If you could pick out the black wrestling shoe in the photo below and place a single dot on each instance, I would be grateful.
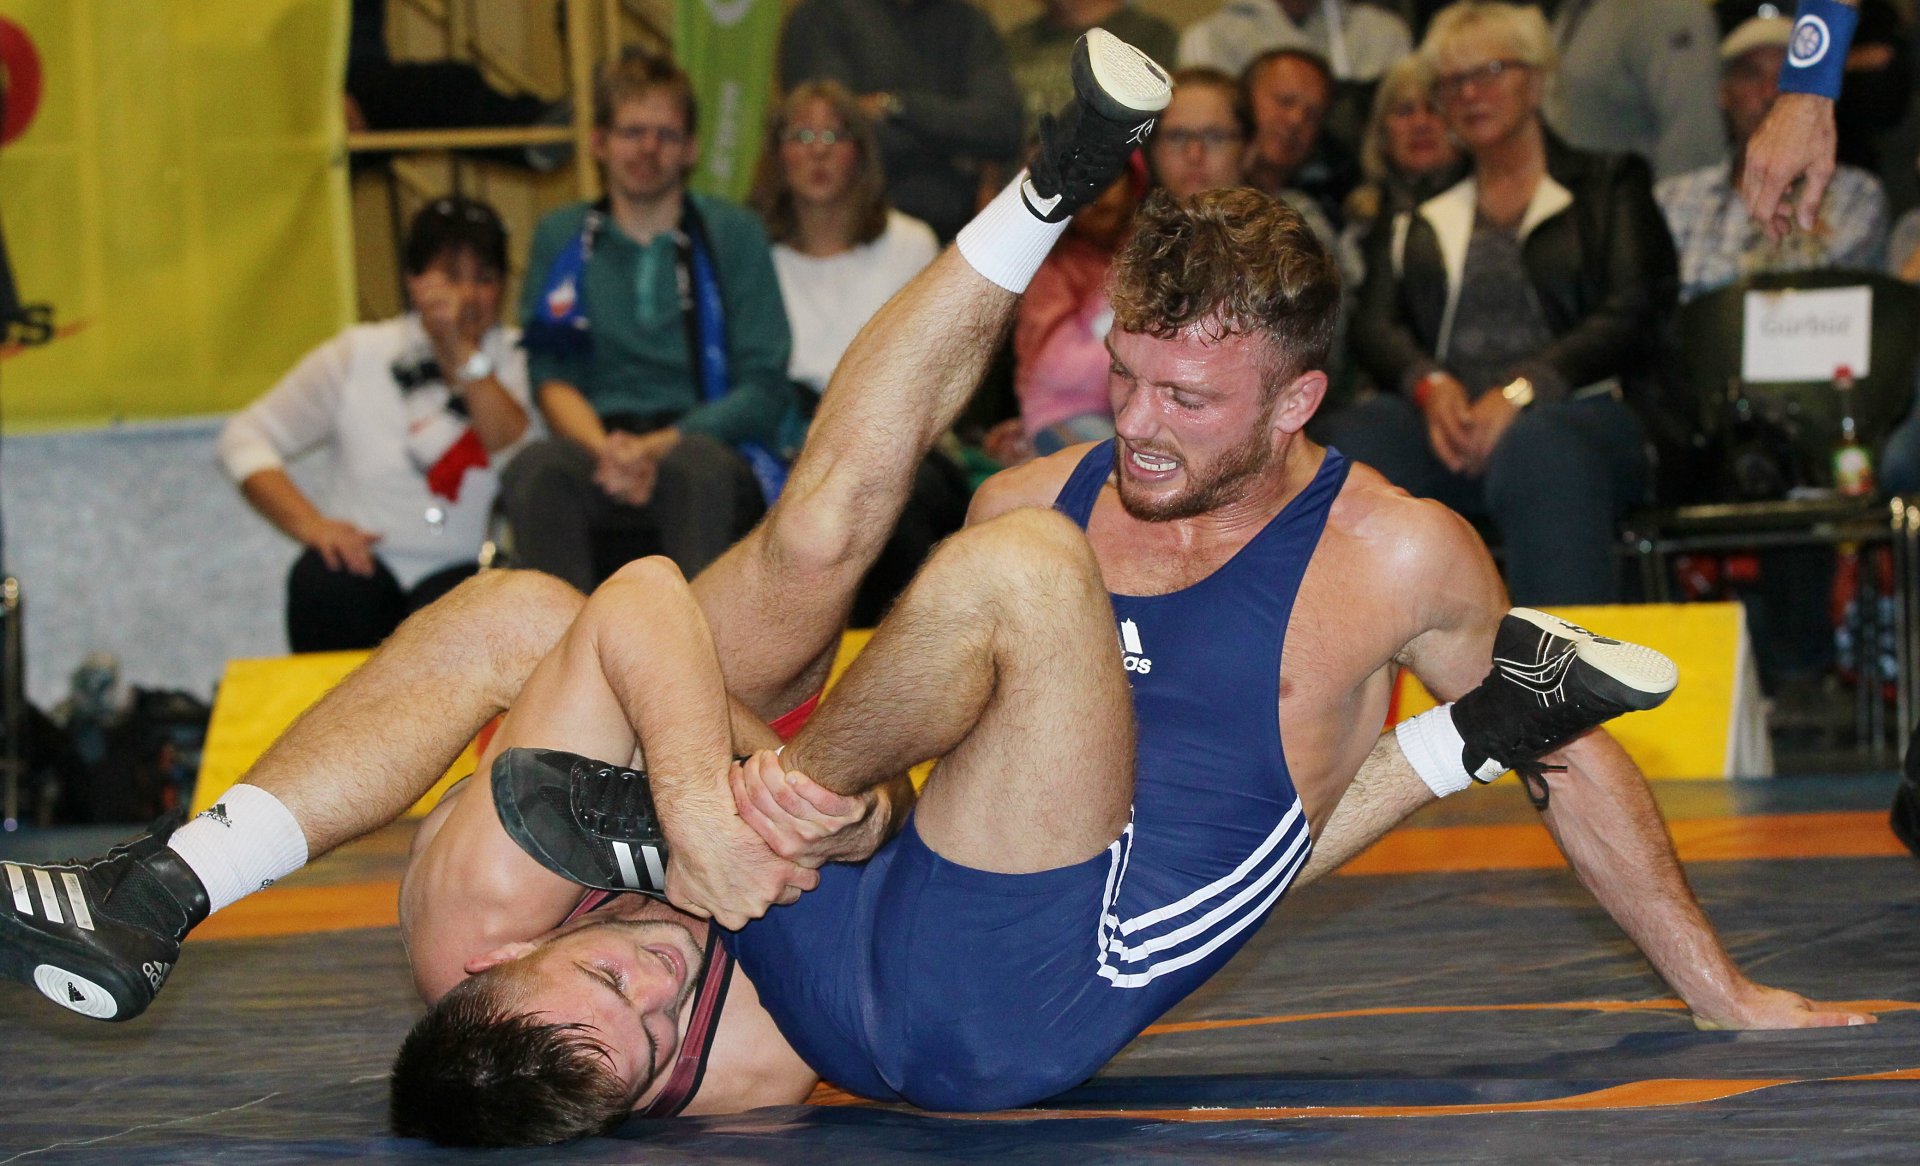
(1551, 681)
(582, 819)
(101, 937)
(1118, 90)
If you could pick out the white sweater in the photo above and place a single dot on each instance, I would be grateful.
(830, 299)
(343, 397)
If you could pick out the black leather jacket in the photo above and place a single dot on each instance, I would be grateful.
(1604, 269)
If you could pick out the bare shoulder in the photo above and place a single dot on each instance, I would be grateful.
(1433, 567)
(1418, 539)
(1036, 483)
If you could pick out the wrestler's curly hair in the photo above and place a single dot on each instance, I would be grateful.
(1229, 262)
(475, 1072)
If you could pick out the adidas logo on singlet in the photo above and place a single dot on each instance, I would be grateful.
(1133, 655)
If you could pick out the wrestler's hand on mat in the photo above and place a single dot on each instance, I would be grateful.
(1797, 140)
(1762, 1007)
(341, 545)
(800, 819)
(721, 869)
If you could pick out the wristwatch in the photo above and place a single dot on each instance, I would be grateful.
(478, 367)
(1519, 392)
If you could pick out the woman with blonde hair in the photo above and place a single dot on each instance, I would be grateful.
(1507, 316)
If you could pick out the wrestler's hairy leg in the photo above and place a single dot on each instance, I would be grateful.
(999, 661)
(369, 748)
(777, 601)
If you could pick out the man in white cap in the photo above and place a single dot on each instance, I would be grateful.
(1717, 240)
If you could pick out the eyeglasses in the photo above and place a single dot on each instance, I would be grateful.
(665, 135)
(1451, 85)
(806, 137)
(1211, 139)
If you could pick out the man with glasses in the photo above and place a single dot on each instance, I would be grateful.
(657, 348)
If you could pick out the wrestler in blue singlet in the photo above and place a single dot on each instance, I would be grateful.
(911, 977)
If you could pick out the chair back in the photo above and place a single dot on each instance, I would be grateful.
(1711, 335)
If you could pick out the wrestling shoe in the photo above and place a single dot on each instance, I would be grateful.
(1117, 91)
(582, 819)
(1551, 681)
(101, 937)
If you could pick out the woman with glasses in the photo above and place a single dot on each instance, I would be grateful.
(840, 252)
(1407, 155)
(1506, 318)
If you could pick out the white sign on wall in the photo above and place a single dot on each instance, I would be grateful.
(1805, 335)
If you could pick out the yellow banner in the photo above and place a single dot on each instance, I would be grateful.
(178, 194)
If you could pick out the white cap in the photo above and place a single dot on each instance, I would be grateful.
(1757, 32)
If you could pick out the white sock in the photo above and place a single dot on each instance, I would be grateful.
(243, 843)
(1433, 747)
(1005, 242)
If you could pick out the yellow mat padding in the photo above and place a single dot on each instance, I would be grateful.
(258, 699)
(1686, 737)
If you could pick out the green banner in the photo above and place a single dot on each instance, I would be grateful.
(728, 47)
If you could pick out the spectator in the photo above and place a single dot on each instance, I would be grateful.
(618, 298)
(1545, 263)
(1879, 72)
(1060, 333)
(1286, 92)
(415, 413)
(1637, 75)
(932, 74)
(841, 253)
(1406, 157)
(1717, 240)
(1202, 138)
(1358, 40)
(1041, 50)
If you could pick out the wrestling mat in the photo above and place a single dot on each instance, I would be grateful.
(1453, 997)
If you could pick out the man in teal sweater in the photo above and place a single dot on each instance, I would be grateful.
(657, 346)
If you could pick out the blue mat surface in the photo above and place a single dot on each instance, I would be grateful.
(1386, 999)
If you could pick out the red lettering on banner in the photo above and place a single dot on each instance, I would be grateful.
(21, 74)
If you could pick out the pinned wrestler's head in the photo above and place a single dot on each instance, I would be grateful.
(1223, 313)
(554, 1038)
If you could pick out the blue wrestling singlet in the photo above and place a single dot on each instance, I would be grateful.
(911, 977)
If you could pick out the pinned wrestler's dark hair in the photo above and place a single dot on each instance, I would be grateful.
(473, 1072)
(1225, 263)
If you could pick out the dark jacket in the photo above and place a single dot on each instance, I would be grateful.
(1602, 264)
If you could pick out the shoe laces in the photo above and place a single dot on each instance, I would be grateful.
(1054, 168)
(612, 801)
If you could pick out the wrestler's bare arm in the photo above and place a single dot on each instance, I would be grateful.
(1603, 818)
(1428, 562)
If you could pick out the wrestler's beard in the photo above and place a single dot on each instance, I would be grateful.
(1221, 481)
